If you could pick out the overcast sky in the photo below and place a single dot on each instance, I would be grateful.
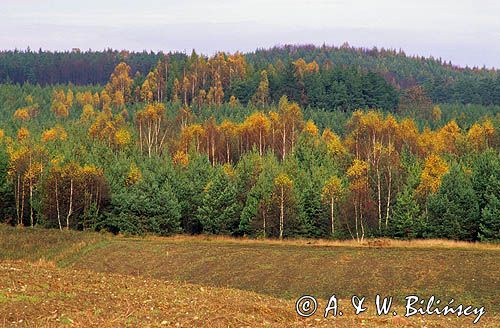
(463, 31)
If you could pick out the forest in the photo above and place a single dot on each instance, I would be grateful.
(288, 142)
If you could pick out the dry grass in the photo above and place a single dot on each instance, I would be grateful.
(373, 242)
(49, 245)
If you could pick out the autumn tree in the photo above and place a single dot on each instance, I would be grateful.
(152, 125)
(283, 189)
(261, 96)
(430, 180)
(228, 133)
(358, 186)
(119, 87)
(211, 137)
(191, 134)
(61, 103)
(71, 190)
(291, 122)
(258, 124)
(332, 192)
(26, 169)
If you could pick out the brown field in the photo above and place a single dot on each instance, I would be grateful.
(49, 278)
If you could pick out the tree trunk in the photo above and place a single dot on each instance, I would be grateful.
(260, 142)
(362, 228)
(264, 225)
(356, 219)
(284, 143)
(166, 78)
(388, 198)
(17, 194)
(273, 140)
(140, 135)
(57, 206)
(379, 196)
(70, 209)
(31, 203)
(213, 150)
(331, 213)
(22, 202)
(31, 191)
(282, 212)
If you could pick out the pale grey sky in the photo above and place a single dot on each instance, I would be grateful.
(463, 31)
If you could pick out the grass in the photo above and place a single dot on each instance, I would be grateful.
(376, 242)
(50, 245)
(87, 276)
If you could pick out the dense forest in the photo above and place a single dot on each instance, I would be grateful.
(286, 142)
(443, 82)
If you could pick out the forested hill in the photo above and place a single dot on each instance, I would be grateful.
(442, 81)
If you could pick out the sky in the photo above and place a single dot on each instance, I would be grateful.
(462, 31)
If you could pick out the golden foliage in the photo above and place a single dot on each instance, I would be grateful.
(180, 158)
(56, 133)
(85, 98)
(122, 137)
(283, 181)
(120, 85)
(88, 113)
(21, 114)
(332, 188)
(430, 142)
(134, 174)
(430, 180)
(257, 122)
(61, 103)
(358, 175)
(333, 142)
(23, 134)
(261, 96)
(229, 170)
(449, 135)
(310, 128)
(436, 113)
(233, 101)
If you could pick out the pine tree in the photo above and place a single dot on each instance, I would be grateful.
(406, 217)
(189, 184)
(489, 225)
(486, 183)
(150, 205)
(220, 211)
(6, 197)
(454, 209)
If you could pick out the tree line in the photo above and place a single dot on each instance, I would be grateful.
(338, 73)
